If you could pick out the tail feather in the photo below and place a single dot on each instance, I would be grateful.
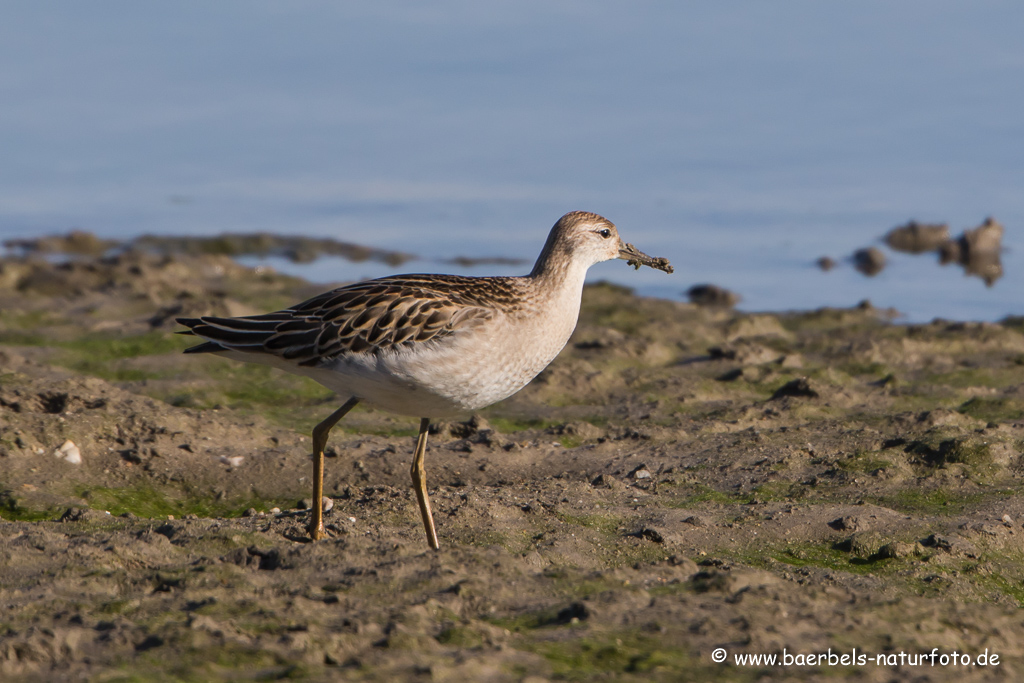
(225, 334)
(241, 324)
(206, 347)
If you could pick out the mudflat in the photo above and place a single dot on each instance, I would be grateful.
(679, 483)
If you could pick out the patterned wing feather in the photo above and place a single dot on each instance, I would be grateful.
(368, 317)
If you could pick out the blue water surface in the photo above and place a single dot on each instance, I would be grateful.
(740, 139)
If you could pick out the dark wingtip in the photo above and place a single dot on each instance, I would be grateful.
(207, 347)
(189, 323)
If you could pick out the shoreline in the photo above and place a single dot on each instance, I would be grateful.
(679, 479)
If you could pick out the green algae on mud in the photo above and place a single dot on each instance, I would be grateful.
(678, 479)
(12, 510)
(625, 655)
(1000, 409)
(941, 501)
(147, 501)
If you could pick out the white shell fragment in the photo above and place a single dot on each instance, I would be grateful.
(328, 504)
(233, 461)
(69, 451)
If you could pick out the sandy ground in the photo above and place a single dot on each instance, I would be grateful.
(680, 480)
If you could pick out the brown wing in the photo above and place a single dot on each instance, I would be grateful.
(367, 317)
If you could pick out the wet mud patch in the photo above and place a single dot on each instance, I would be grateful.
(681, 479)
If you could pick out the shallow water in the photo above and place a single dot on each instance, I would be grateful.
(740, 140)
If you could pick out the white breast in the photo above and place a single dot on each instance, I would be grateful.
(461, 372)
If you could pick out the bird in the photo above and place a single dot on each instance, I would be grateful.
(426, 345)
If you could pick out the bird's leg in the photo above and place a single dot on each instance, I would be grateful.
(320, 432)
(419, 483)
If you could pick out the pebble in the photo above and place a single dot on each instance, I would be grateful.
(869, 261)
(327, 503)
(917, 238)
(712, 296)
(69, 451)
(640, 472)
(826, 263)
(233, 461)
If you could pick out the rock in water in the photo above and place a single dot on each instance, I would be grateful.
(917, 238)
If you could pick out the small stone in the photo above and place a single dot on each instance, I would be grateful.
(797, 387)
(826, 263)
(651, 535)
(869, 261)
(275, 511)
(327, 503)
(863, 544)
(918, 238)
(640, 472)
(847, 523)
(606, 481)
(987, 237)
(897, 550)
(69, 452)
(954, 545)
(83, 515)
(250, 512)
(712, 296)
(1007, 520)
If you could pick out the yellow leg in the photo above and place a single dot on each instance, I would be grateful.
(320, 432)
(419, 484)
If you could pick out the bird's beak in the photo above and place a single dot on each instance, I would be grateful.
(636, 258)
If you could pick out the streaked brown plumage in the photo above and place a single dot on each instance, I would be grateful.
(435, 345)
(367, 317)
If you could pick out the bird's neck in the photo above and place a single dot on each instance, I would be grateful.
(558, 277)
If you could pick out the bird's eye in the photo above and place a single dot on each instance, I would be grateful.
(605, 233)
